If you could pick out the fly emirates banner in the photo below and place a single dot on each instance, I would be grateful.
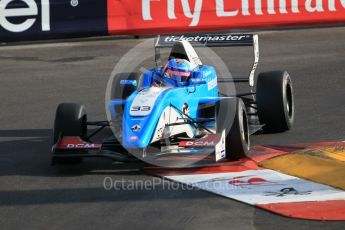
(167, 16)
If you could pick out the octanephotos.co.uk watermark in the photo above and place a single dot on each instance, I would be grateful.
(156, 183)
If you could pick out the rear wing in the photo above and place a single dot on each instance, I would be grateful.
(210, 40)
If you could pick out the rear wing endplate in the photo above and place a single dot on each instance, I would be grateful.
(211, 40)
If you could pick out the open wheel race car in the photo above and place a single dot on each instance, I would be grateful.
(178, 108)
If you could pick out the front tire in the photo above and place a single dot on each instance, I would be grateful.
(232, 116)
(275, 101)
(70, 120)
(123, 92)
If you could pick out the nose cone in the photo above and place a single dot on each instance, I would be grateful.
(136, 134)
(142, 112)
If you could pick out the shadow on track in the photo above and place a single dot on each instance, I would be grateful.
(27, 152)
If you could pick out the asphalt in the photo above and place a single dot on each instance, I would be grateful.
(34, 78)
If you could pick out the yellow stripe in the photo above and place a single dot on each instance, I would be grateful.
(337, 153)
(322, 165)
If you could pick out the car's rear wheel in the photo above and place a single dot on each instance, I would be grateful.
(232, 116)
(275, 101)
(70, 120)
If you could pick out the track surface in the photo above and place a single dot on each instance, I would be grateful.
(35, 78)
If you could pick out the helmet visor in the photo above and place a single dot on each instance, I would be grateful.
(177, 75)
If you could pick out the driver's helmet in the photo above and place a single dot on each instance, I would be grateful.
(179, 70)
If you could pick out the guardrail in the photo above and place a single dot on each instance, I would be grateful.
(44, 19)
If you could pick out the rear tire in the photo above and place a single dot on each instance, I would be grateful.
(275, 101)
(232, 116)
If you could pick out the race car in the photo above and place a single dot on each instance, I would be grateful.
(178, 108)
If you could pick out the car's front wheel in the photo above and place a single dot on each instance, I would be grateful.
(119, 91)
(232, 117)
(70, 120)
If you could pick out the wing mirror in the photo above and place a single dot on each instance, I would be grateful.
(129, 83)
(197, 79)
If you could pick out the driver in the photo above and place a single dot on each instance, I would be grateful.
(176, 72)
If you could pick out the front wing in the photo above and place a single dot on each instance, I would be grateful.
(75, 147)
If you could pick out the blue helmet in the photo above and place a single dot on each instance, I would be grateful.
(179, 70)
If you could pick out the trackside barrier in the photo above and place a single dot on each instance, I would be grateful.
(167, 16)
(44, 19)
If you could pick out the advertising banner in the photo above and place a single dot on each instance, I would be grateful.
(172, 16)
(42, 19)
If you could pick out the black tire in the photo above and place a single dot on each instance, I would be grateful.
(275, 101)
(122, 92)
(70, 120)
(232, 116)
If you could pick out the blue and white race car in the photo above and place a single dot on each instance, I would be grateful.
(177, 108)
